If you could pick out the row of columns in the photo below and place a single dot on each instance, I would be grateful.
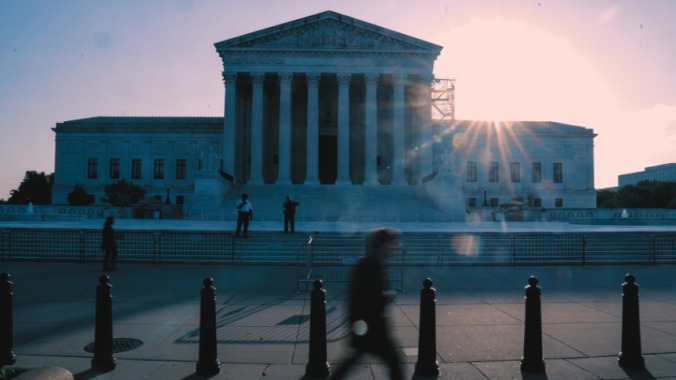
(343, 130)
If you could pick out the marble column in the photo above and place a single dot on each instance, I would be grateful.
(426, 132)
(228, 155)
(343, 159)
(284, 152)
(312, 174)
(257, 141)
(398, 132)
(371, 131)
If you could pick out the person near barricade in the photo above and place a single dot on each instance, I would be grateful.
(290, 215)
(109, 245)
(244, 215)
(367, 305)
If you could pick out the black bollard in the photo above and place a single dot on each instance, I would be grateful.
(7, 355)
(103, 359)
(208, 363)
(427, 364)
(318, 365)
(532, 360)
(630, 357)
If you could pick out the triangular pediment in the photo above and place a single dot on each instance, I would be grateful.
(328, 31)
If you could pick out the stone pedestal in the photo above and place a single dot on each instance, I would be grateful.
(210, 184)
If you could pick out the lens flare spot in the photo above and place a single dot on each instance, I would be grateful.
(564, 274)
(360, 328)
(466, 245)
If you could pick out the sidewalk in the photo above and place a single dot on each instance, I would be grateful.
(263, 325)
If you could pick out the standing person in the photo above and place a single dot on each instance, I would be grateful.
(368, 299)
(109, 245)
(290, 214)
(244, 214)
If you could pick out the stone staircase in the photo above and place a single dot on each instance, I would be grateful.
(329, 203)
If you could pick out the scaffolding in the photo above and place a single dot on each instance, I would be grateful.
(443, 99)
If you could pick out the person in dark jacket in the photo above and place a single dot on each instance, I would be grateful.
(109, 245)
(368, 300)
(290, 214)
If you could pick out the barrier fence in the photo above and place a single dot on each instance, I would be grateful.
(335, 250)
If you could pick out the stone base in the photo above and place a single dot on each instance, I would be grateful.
(210, 184)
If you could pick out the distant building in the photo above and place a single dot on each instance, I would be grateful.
(330, 100)
(661, 173)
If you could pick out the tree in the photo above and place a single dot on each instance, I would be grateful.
(35, 187)
(645, 194)
(123, 194)
(605, 198)
(79, 196)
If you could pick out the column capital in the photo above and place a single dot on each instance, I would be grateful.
(371, 78)
(229, 77)
(399, 79)
(257, 78)
(285, 77)
(344, 78)
(313, 78)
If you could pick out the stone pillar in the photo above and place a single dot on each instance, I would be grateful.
(343, 159)
(371, 131)
(398, 132)
(312, 175)
(256, 176)
(284, 153)
(230, 80)
(426, 136)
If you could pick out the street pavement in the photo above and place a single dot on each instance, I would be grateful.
(263, 321)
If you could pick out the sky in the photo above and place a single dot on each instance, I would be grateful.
(608, 65)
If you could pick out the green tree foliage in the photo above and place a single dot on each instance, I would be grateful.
(79, 196)
(645, 194)
(123, 194)
(35, 187)
(605, 199)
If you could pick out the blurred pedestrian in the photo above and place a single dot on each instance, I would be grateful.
(368, 300)
(109, 245)
(244, 214)
(290, 214)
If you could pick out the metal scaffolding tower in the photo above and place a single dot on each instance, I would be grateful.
(443, 99)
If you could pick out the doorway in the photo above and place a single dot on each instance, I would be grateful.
(328, 153)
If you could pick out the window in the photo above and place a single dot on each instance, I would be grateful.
(158, 169)
(515, 172)
(537, 202)
(558, 172)
(537, 172)
(92, 168)
(558, 202)
(136, 168)
(493, 172)
(181, 165)
(471, 171)
(494, 202)
(180, 199)
(114, 171)
(471, 202)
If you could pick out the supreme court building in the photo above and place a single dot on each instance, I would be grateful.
(328, 100)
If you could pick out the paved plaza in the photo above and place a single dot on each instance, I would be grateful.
(263, 322)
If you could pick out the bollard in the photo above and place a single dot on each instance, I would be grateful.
(208, 363)
(103, 359)
(630, 357)
(7, 355)
(318, 365)
(532, 360)
(427, 364)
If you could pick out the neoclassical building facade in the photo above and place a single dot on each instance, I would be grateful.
(327, 100)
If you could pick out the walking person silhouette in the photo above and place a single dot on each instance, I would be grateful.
(368, 300)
